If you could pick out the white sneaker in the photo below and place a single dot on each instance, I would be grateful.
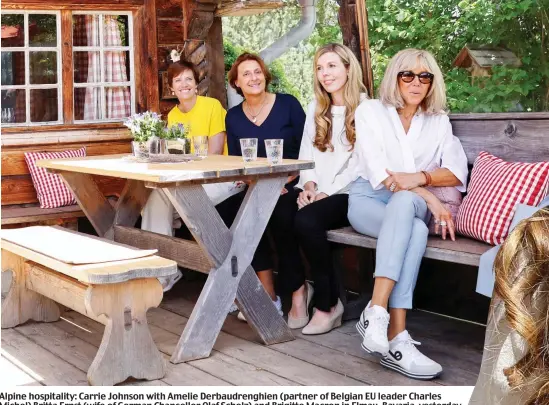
(168, 282)
(404, 358)
(277, 303)
(372, 326)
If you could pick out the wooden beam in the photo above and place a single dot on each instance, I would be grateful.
(365, 58)
(150, 65)
(186, 253)
(354, 28)
(67, 67)
(216, 85)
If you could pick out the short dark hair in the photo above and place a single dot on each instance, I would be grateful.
(176, 68)
(233, 73)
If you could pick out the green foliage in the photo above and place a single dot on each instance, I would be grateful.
(444, 27)
(280, 82)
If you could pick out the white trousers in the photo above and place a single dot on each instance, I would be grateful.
(158, 215)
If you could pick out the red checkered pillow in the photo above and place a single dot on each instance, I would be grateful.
(50, 188)
(495, 189)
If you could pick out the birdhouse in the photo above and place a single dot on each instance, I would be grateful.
(479, 60)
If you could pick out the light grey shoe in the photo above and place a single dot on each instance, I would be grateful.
(277, 304)
(332, 323)
(168, 282)
(300, 322)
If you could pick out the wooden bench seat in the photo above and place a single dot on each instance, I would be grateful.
(16, 214)
(116, 293)
(463, 250)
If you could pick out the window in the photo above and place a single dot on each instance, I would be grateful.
(31, 68)
(102, 88)
(103, 78)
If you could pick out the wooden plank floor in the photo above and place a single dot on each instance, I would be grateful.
(60, 353)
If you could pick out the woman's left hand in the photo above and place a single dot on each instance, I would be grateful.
(405, 181)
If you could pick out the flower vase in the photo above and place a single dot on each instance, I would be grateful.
(144, 149)
(176, 146)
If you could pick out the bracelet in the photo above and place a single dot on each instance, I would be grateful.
(428, 178)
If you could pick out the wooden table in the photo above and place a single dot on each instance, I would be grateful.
(226, 252)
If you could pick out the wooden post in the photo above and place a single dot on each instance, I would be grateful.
(354, 27)
(216, 61)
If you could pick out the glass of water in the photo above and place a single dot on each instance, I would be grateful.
(274, 150)
(248, 146)
(200, 144)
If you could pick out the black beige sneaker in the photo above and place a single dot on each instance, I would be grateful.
(372, 326)
(404, 358)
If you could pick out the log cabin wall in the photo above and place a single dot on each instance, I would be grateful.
(190, 27)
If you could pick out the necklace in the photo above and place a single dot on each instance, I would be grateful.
(251, 112)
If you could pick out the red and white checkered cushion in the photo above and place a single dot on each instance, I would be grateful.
(495, 189)
(50, 188)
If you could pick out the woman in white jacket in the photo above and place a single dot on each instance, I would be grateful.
(328, 140)
(404, 142)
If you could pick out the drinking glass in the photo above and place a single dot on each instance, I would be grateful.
(248, 146)
(200, 144)
(274, 150)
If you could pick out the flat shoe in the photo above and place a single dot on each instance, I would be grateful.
(300, 322)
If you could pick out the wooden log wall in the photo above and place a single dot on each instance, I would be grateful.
(190, 27)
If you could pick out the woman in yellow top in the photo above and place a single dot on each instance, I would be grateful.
(205, 115)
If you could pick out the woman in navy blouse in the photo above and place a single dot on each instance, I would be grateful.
(264, 115)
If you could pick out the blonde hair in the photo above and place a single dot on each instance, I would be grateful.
(522, 282)
(352, 90)
(410, 59)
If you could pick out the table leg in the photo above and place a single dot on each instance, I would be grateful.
(232, 252)
(97, 208)
(92, 201)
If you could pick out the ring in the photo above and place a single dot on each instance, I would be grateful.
(392, 187)
(443, 223)
(437, 221)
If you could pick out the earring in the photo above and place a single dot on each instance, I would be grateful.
(173, 93)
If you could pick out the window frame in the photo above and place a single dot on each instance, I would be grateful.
(65, 68)
(26, 49)
(102, 49)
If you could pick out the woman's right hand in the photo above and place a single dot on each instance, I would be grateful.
(443, 218)
(306, 197)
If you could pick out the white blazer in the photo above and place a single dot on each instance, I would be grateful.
(381, 144)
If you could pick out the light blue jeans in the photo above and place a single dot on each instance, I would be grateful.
(399, 222)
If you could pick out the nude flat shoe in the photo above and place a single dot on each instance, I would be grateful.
(300, 322)
(333, 322)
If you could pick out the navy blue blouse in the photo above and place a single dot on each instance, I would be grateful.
(285, 121)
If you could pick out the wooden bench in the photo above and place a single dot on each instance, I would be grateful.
(520, 137)
(53, 265)
(19, 201)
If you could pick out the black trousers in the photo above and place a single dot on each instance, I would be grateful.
(311, 224)
(281, 227)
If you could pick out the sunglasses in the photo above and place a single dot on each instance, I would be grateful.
(408, 77)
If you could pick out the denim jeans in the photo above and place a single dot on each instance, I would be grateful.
(399, 222)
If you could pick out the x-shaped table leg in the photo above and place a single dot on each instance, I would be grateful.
(231, 251)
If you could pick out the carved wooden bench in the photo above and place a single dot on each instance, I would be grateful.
(516, 137)
(53, 265)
